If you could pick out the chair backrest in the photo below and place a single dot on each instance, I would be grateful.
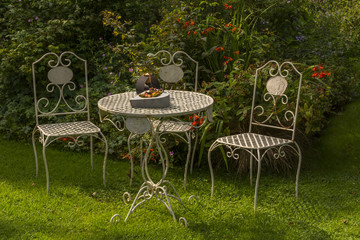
(276, 104)
(173, 68)
(58, 90)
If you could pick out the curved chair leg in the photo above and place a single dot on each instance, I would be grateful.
(105, 157)
(91, 153)
(45, 164)
(257, 179)
(298, 171)
(131, 159)
(35, 152)
(194, 149)
(187, 158)
(251, 168)
(212, 147)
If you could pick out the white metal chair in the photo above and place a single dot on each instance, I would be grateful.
(64, 96)
(171, 72)
(271, 108)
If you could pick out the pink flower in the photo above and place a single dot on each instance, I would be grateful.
(130, 69)
(111, 73)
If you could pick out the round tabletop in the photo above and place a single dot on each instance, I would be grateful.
(181, 103)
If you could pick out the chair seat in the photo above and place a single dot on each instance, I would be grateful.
(172, 126)
(252, 141)
(68, 128)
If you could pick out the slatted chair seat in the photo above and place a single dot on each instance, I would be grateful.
(172, 126)
(68, 128)
(252, 141)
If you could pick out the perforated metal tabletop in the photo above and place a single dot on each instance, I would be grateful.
(181, 103)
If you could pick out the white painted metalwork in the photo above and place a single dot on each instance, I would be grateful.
(172, 72)
(181, 103)
(53, 104)
(258, 145)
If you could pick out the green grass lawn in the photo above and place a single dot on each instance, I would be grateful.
(328, 206)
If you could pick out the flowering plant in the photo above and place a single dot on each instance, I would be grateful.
(197, 121)
(319, 72)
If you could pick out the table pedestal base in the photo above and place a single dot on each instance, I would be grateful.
(149, 190)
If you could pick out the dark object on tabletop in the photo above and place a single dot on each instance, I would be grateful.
(145, 82)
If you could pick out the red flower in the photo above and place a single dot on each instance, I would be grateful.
(315, 74)
(237, 52)
(321, 67)
(322, 74)
(314, 69)
(219, 49)
(227, 6)
(327, 73)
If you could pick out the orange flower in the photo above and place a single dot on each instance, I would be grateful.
(227, 6)
(237, 52)
(315, 74)
(327, 73)
(314, 69)
(228, 25)
(219, 49)
(322, 74)
(321, 67)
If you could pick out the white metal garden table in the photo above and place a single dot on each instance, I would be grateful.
(149, 120)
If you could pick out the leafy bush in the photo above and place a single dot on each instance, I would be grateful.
(229, 39)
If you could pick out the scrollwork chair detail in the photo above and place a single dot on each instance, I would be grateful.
(171, 72)
(280, 116)
(64, 96)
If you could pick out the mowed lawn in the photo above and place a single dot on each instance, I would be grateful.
(78, 206)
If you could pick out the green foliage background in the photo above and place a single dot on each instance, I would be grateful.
(115, 37)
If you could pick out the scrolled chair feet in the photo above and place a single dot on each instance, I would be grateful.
(126, 197)
(193, 202)
(115, 216)
(182, 220)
